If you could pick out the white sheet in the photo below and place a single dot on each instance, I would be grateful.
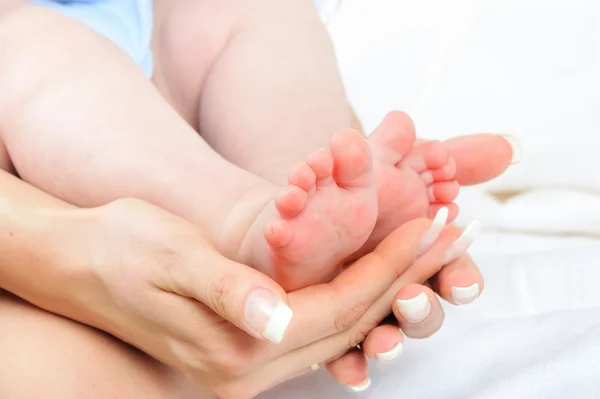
(531, 68)
(528, 67)
(535, 333)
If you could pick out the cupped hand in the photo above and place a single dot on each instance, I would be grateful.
(154, 281)
(478, 158)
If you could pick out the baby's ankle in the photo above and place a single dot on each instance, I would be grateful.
(243, 218)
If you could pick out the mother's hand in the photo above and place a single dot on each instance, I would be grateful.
(416, 311)
(479, 158)
(152, 280)
(393, 254)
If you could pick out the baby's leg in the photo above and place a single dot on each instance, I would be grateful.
(270, 92)
(274, 92)
(89, 127)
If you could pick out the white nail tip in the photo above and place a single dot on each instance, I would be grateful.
(267, 315)
(278, 323)
(517, 151)
(392, 355)
(472, 231)
(362, 387)
(441, 217)
(415, 310)
(432, 234)
(465, 295)
(463, 243)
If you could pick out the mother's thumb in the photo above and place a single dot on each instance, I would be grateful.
(241, 295)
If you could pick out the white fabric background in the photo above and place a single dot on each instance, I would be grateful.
(526, 67)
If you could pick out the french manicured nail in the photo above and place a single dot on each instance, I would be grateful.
(268, 315)
(416, 309)
(363, 386)
(465, 295)
(515, 144)
(463, 243)
(432, 234)
(392, 355)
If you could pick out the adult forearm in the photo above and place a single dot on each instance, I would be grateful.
(33, 237)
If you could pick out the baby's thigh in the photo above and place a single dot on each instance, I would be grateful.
(194, 37)
(188, 40)
(44, 355)
(63, 88)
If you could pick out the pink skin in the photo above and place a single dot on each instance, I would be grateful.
(341, 204)
(412, 181)
(326, 213)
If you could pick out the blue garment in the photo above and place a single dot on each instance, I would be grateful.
(128, 23)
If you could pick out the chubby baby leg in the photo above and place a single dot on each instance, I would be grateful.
(89, 127)
(258, 79)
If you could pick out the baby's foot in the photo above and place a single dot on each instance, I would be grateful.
(326, 213)
(412, 181)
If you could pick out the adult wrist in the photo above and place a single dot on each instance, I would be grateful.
(40, 260)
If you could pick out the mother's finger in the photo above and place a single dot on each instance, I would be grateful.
(239, 294)
(418, 311)
(448, 246)
(312, 339)
(420, 271)
(327, 309)
(351, 370)
(460, 282)
(482, 157)
(385, 343)
(419, 314)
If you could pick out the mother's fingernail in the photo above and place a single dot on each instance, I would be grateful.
(515, 145)
(363, 386)
(465, 295)
(432, 234)
(415, 310)
(463, 243)
(267, 314)
(391, 355)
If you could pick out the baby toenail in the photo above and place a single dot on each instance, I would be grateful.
(431, 194)
(460, 246)
(465, 295)
(515, 145)
(427, 177)
(415, 310)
